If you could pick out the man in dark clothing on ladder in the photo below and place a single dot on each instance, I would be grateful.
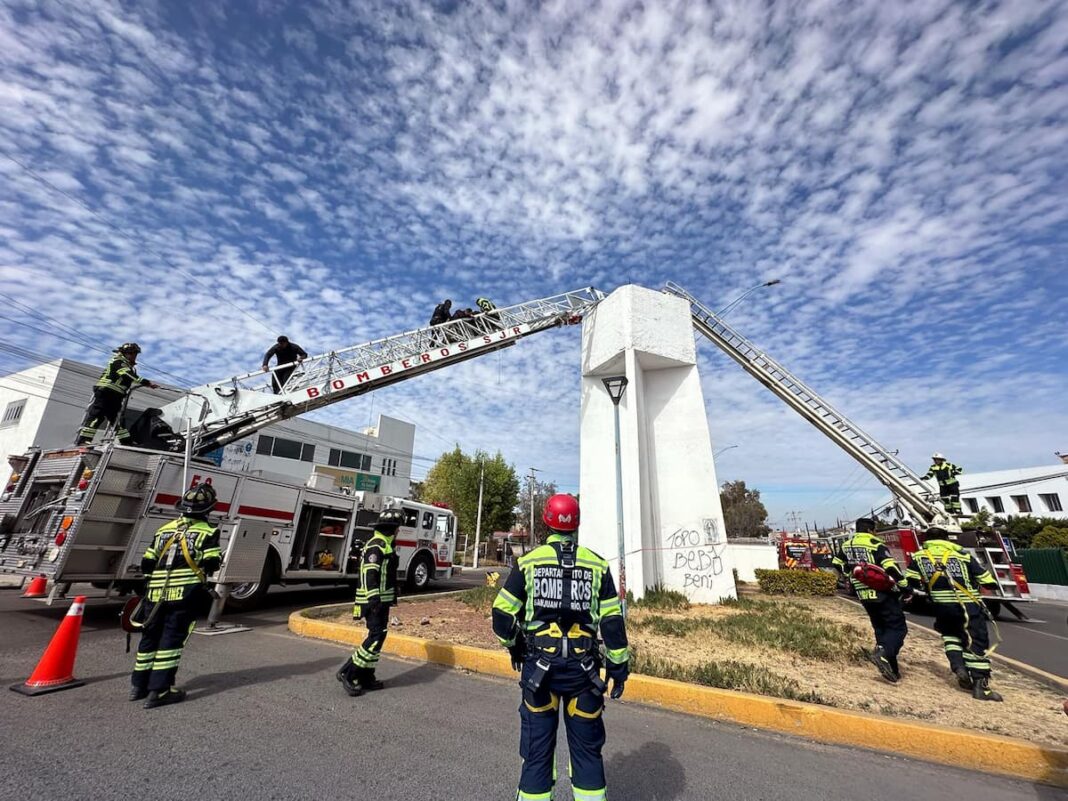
(442, 314)
(287, 353)
(110, 393)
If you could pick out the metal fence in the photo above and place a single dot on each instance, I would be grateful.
(1045, 565)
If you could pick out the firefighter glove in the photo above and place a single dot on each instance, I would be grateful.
(618, 674)
(517, 651)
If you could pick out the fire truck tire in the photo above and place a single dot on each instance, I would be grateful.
(248, 596)
(994, 607)
(420, 572)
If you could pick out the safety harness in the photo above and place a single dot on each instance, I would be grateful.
(577, 643)
(972, 596)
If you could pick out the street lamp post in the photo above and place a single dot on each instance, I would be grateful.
(721, 450)
(722, 312)
(616, 386)
(478, 518)
(533, 482)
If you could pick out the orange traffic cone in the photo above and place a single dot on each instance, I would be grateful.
(38, 588)
(55, 671)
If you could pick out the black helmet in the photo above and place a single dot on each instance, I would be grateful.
(390, 519)
(198, 501)
(129, 347)
(865, 525)
(935, 533)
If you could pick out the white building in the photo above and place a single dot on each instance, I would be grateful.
(1037, 491)
(43, 405)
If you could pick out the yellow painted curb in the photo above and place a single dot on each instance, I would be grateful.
(962, 748)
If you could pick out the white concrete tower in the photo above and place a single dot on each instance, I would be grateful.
(673, 522)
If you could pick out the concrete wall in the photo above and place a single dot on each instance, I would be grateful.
(747, 557)
(1048, 592)
(673, 523)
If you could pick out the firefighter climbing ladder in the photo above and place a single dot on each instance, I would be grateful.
(905, 485)
(218, 413)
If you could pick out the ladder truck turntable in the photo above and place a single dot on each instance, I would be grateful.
(87, 513)
(917, 500)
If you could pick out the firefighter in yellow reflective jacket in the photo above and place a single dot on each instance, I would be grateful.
(547, 615)
(945, 473)
(376, 595)
(109, 394)
(182, 554)
(881, 598)
(951, 578)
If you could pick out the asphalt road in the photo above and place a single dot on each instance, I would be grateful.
(265, 719)
(1042, 643)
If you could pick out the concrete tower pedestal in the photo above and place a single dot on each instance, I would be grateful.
(673, 522)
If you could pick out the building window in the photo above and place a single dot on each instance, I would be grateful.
(285, 448)
(13, 413)
(1023, 503)
(389, 467)
(972, 504)
(996, 504)
(1052, 502)
(351, 459)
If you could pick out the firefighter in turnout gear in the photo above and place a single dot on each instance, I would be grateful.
(951, 578)
(945, 473)
(880, 590)
(182, 554)
(547, 616)
(110, 392)
(377, 594)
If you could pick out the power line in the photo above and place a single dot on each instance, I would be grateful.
(142, 244)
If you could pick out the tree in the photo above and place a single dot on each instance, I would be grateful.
(980, 521)
(453, 480)
(1051, 537)
(1022, 529)
(743, 512)
(542, 491)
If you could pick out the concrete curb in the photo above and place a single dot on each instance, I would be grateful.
(961, 748)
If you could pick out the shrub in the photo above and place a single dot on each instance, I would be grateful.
(666, 600)
(728, 675)
(796, 582)
(1051, 537)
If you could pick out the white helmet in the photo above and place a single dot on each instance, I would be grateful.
(937, 455)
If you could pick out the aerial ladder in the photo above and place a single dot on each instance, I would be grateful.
(213, 415)
(911, 494)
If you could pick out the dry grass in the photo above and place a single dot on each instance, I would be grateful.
(802, 649)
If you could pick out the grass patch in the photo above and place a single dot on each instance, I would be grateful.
(785, 627)
(728, 675)
(664, 600)
(479, 598)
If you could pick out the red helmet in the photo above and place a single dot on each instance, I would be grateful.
(561, 513)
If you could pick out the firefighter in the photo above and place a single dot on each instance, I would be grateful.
(547, 616)
(945, 473)
(442, 314)
(882, 598)
(376, 595)
(951, 578)
(182, 554)
(487, 308)
(110, 392)
(285, 353)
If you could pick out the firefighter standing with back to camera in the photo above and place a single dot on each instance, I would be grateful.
(182, 554)
(376, 595)
(951, 578)
(881, 591)
(547, 615)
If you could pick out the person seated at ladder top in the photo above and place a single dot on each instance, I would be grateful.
(287, 353)
(487, 308)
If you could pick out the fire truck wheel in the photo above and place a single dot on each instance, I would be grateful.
(420, 572)
(995, 609)
(250, 594)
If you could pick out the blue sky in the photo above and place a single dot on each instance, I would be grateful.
(330, 170)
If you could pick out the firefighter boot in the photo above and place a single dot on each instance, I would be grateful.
(169, 696)
(368, 680)
(878, 658)
(138, 693)
(964, 679)
(982, 692)
(346, 674)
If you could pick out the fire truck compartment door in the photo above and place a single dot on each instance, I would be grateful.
(244, 544)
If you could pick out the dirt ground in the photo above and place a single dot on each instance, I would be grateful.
(927, 692)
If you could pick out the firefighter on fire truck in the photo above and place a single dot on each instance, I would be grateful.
(109, 394)
(547, 615)
(375, 597)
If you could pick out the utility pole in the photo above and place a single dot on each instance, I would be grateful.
(533, 481)
(478, 517)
